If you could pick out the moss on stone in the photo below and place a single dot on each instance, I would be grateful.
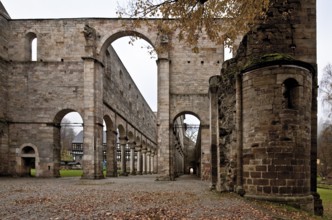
(266, 58)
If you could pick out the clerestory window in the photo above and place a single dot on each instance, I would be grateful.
(31, 47)
(291, 93)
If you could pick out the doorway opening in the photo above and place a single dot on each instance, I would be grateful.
(186, 143)
(28, 156)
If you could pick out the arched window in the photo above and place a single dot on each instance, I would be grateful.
(228, 51)
(34, 49)
(31, 47)
(291, 93)
(28, 150)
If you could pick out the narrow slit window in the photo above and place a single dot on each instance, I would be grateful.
(31, 47)
(34, 49)
(291, 93)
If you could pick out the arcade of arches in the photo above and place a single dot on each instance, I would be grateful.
(87, 76)
(257, 111)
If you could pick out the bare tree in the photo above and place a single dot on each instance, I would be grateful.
(325, 151)
(325, 87)
(325, 134)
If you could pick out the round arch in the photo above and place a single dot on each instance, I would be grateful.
(27, 159)
(109, 123)
(131, 137)
(108, 39)
(186, 141)
(138, 141)
(57, 139)
(186, 113)
(62, 113)
(122, 131)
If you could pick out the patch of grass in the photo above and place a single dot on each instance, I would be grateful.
(33, 172)
(326, 196)
(71, 173)
(66, 173)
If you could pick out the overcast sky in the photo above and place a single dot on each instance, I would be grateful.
(142, 68)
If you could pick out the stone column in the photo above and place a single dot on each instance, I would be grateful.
(139, 160)
(163, 118)
(111, 170)
(144, 161)
(123, 144)
(239, 160)
(152, 161)
(155, 160)
(132, 158)
(148, 161)
(93, 123)
(176, 159)
(214, 134)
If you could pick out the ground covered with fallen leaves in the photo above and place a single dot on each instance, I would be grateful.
(133, 197)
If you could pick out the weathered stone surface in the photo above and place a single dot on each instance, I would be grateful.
(274, 108)
(258, 120)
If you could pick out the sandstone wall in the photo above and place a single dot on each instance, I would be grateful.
(4, 29)
(276, 136)
(4, 32)
(276, 144)
(41, 92)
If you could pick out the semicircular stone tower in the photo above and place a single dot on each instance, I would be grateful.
(267, 110)
(276, 122)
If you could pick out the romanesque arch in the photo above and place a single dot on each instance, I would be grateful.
(57, 140)
(186, 143)
(27, 158)
(110, 37)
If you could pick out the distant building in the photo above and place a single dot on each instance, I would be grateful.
(77, 150)
(77, 147)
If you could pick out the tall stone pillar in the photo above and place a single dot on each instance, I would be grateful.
(214, 133)
(148, 161)
(111, 170)
(144, 161)
(139, 160)
(93, 123)
(132, 158)
(239, 136)
(163, 118)
(152, 162)
(123, 144)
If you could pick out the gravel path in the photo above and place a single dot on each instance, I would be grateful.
(133, 197)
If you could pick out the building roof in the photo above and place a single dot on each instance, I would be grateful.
(78, 138)
(3, 11)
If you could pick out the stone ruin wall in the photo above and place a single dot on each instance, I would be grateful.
(3, 91)
(288, 167)
(276, 136)
(34, 92)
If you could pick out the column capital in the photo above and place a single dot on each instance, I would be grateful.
(132, 145)
(123, 140)
(138, 147)
(214, 82)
